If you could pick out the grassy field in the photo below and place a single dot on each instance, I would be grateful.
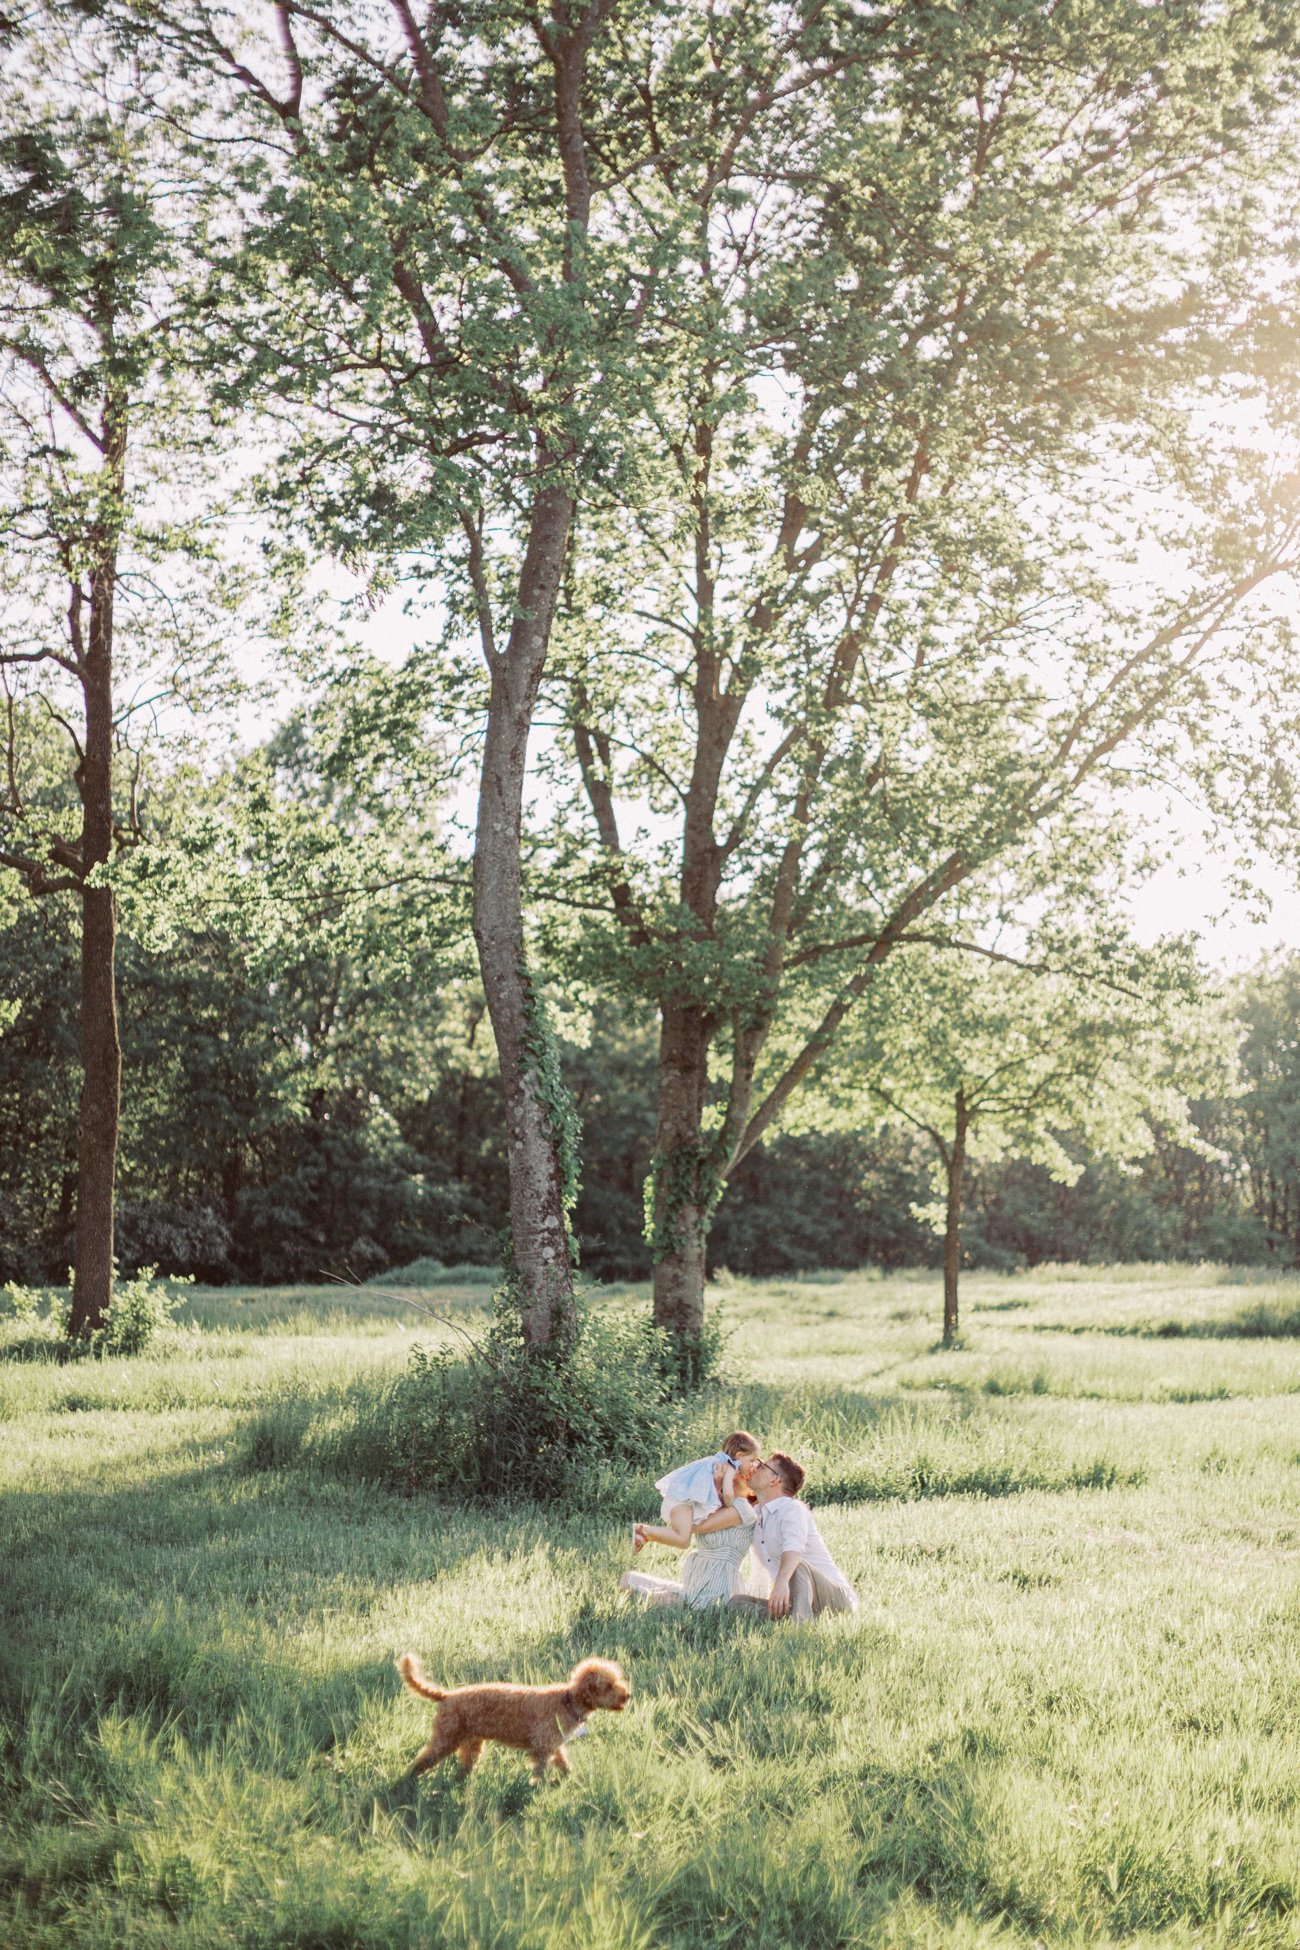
(1065, 1713)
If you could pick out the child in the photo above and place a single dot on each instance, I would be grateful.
(693, 1491)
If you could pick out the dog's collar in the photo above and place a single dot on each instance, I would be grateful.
(570, 1706)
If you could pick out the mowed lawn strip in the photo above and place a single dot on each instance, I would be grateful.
(1065, 1712)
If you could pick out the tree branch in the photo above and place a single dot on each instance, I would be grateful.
(478, 581)
(900, 1110)
(591, 748)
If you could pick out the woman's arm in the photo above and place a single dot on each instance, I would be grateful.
(725, 1519)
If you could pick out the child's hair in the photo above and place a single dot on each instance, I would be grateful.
(742, 1443)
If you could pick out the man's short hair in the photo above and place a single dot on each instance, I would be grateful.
(788, 1470)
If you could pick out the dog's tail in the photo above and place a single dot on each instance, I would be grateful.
(413, 1673)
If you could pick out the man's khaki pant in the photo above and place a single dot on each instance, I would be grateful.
(808, 1596)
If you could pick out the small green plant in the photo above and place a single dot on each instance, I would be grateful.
(39, 1316)
(140, 1307)
(33, 1304)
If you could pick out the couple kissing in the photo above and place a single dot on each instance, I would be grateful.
(738, 1512)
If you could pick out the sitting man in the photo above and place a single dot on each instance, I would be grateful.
(805, 1577)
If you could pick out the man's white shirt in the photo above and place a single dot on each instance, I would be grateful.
(786, 1524)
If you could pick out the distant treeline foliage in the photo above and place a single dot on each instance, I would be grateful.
(335, 1118)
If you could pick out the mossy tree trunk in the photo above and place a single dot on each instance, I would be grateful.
(538, 1193)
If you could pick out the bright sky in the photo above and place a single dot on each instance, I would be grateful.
(1194, 893)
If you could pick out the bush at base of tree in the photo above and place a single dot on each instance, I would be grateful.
(141, 1307)
(139, 1310)
(493, 1420)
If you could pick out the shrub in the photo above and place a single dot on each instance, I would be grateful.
(139, 1308)
(31, 1303)
(431, 1272)
(38, 1316)
(493, 1419)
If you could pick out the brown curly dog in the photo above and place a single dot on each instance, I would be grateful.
(537, 1718)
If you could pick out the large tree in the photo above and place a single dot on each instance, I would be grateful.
(99, 626)
(952, 541)
(474, 245)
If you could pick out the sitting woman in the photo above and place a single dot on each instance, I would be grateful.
(713, 1567)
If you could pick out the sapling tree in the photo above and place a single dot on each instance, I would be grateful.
(951, 542)
(1080, 1053)
(100, 616)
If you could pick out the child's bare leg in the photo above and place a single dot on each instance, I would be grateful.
(676, 1534)
(680, 1518)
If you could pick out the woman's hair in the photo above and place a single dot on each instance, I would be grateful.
(742, 1443)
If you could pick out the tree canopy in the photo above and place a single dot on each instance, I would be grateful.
(836, 457)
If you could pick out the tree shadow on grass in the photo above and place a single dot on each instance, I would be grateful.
(924, 1830)
(183, 1602)
(1265, 1322)
(37, 1344)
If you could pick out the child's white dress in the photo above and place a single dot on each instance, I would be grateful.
(693, 1483)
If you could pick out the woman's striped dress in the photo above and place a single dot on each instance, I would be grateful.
(711, 1569)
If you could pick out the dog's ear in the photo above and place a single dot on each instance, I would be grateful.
(581, 1677)
(589, 1679)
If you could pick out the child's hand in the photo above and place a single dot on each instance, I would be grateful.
(725, 1480)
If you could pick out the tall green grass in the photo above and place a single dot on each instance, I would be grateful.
(1064, 1714)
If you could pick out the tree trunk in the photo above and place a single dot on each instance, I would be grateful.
(538, 1224)
(101, 1088)
(688, 1162)
(956, 1161)
(684, 1172)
